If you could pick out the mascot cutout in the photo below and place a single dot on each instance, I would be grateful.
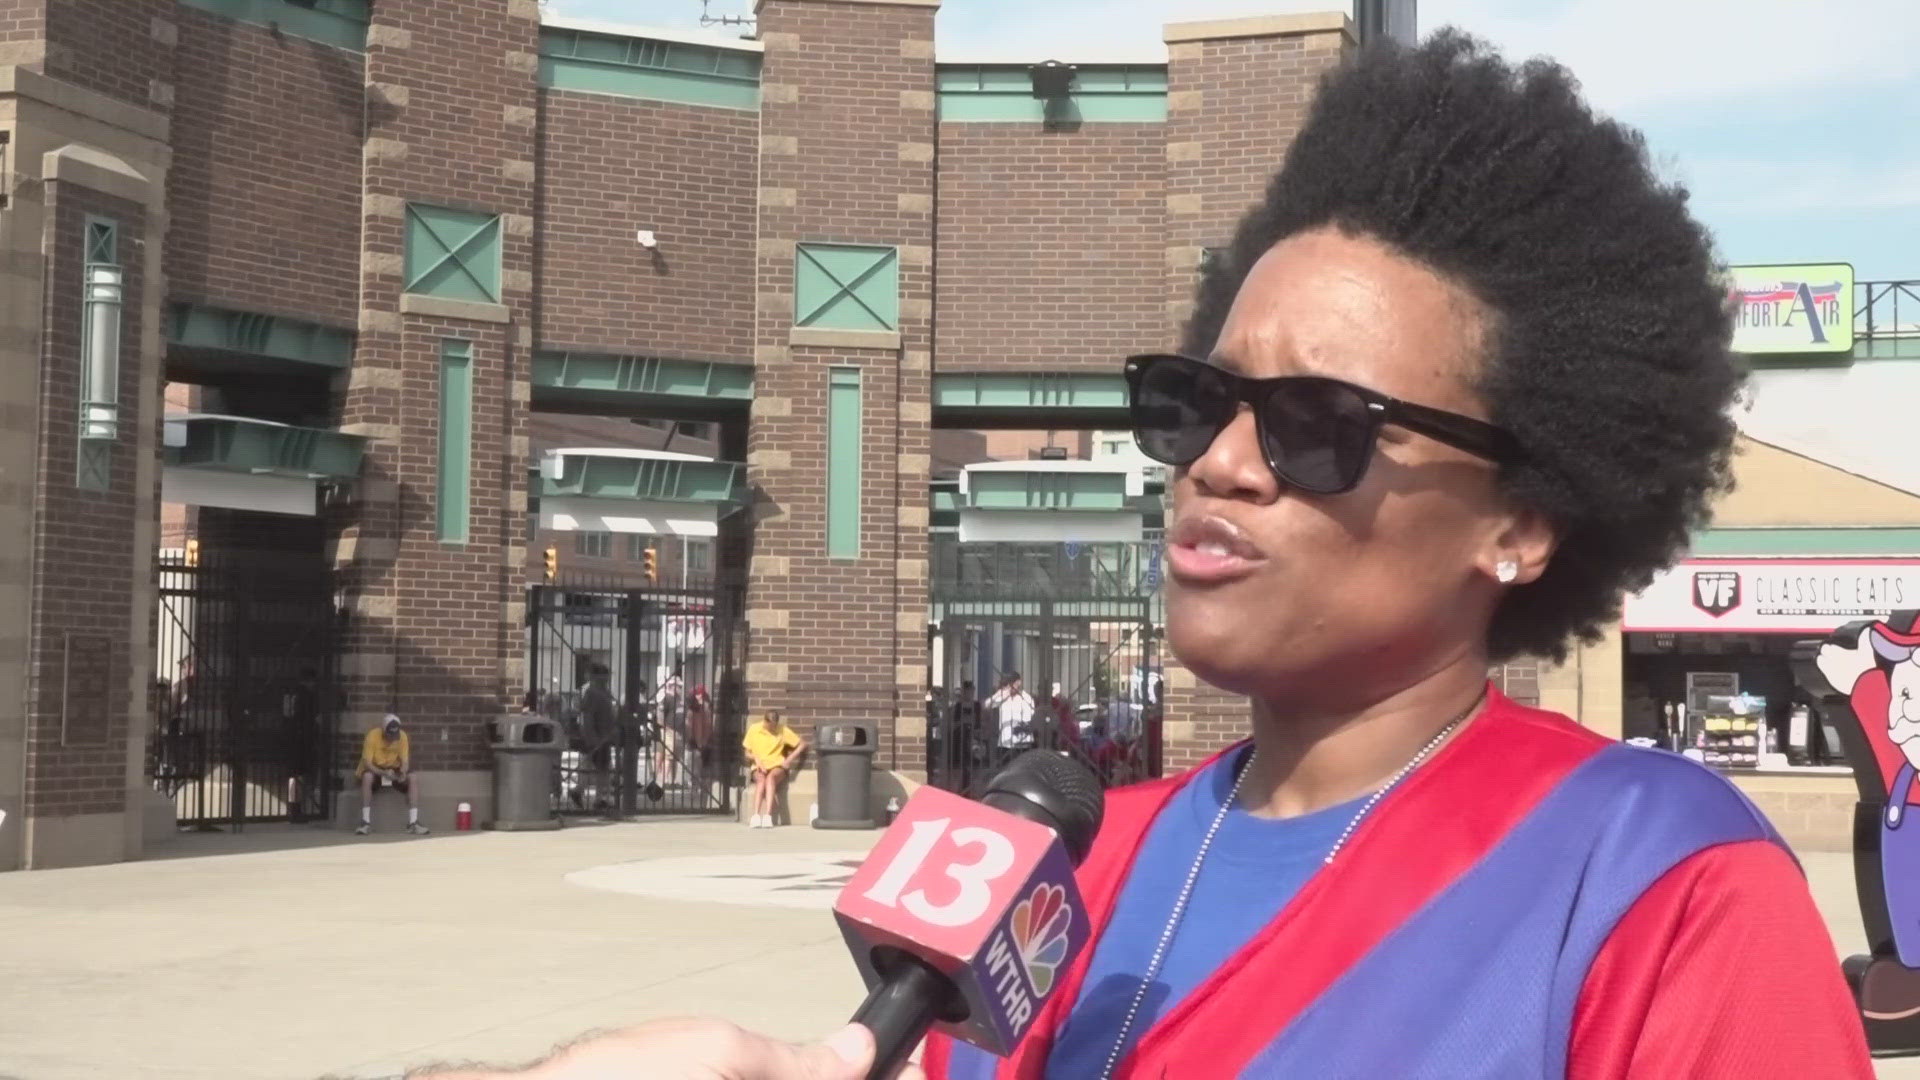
(1865, 677)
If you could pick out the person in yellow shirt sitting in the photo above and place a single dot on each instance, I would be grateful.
(387, 758)
(772, 749)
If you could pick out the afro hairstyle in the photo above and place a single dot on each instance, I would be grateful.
(1608, 338)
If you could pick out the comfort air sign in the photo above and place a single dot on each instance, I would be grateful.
(1773, 595)
(1792, 309)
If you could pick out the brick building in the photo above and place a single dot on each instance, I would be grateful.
(378, 261)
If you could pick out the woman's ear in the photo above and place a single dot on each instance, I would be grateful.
(1519, 551)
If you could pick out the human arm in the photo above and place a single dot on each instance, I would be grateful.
(1696, 976)
(697, 1050)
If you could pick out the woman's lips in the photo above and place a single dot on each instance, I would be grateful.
(1207, 550)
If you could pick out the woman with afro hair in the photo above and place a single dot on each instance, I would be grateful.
(1461, 383)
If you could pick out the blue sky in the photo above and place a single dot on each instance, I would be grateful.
(1796, 123)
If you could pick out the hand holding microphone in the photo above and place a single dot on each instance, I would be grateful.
(966, 913)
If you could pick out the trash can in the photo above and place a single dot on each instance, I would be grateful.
(846, 776)
(526, 757)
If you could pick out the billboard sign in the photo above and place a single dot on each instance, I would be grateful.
(1792, 309)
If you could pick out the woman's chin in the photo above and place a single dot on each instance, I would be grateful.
(1217, 652)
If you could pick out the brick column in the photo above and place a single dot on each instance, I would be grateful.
(435, 630)
(1225, 80)
(85, 110)
(846, 156)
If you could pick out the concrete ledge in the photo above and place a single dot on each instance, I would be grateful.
(844, 339)
(80, 840)
(794, 804)
(100, 171)
(1318, 22)
(413, 304)
(28, 83)
(441, 794)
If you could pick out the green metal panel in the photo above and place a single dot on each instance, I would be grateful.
(1863, 543)
(1102, 94)
(453, 254)
(1887, 348)
(1039, 392)
(645, 68)
(238, 444)
(642, 376)
(1039, 490)
(453, 487)
(846, 287)
(202, 327)
(843, 463)
(342, 23)
(93, 464)
(649, 479)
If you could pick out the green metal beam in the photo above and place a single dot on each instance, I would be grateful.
(1790, 543)
(342, 23)
(267, 337)
(1036, 489)
(659, 387)
(1051, 400)
(237, 444)
(1004, 93)
(672, 71)
(649, 479)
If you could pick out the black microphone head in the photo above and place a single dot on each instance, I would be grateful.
(1055, 791)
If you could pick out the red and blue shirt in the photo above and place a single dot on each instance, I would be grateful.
(1536, 901)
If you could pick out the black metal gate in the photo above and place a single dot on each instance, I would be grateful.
(243, 704)
(1079, 624)
(646, 686)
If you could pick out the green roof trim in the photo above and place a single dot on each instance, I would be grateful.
(592, 476)
(278, 337)
(341, 23)
(1102, 93)
(239, 444)
(654, 70)
(1801, 543)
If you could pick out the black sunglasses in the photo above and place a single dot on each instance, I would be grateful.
(1318, 434)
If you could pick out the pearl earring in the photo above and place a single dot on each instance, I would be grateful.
(1506, 570)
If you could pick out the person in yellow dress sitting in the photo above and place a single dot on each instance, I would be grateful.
(772, 748)
(387, 758)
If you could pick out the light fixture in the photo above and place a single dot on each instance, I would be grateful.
(100, 394)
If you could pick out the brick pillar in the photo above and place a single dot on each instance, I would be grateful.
(86, 125)
(1225, 79)
(846, 156)
(435, 630)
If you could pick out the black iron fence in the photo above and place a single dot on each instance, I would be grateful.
(243, 705)
(1887, 318)
(645, 683)
(1077, 624)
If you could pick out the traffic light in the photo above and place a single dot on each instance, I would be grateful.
(553, 562)
(651, 561)
(193, 553)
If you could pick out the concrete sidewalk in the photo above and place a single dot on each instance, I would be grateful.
(293, 954)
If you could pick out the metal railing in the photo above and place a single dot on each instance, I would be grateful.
(1886, 320)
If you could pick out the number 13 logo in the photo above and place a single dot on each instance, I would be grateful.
(975, 878)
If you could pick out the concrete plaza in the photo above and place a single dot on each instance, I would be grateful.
(288, 953)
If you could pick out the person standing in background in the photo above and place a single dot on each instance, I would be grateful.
(1013, 708)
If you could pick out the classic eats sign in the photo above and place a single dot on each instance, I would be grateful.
(1773, 595)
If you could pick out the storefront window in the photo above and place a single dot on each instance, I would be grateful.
(1727, 699)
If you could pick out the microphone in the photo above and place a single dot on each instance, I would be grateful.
(966, 912)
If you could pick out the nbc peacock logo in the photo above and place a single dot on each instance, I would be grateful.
(1040, 924)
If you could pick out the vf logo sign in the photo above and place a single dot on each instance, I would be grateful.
(1716, 592)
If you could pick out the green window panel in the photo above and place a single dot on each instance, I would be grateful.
(643, 68)
(846, 287)
(453, 254)
(453, 501)
(843, 463)
(1100, 94)
(342, 23)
